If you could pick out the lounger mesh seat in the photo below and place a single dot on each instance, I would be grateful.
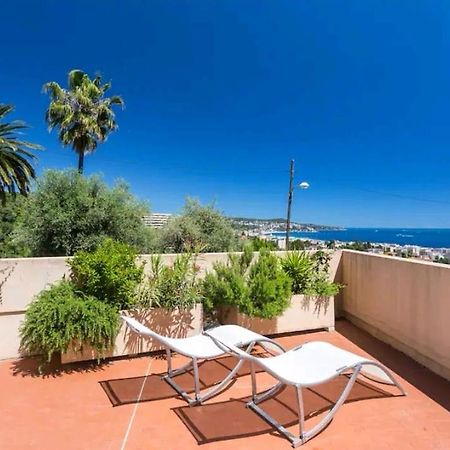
(305, 366)
(202, 347)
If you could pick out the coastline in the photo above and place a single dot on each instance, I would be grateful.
(433, 238)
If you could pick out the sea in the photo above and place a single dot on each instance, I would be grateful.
(424, 237)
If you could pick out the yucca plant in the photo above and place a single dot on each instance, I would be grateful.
(299, 266)
(82, 113)
(16, 169)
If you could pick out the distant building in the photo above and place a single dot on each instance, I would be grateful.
(156, 220)
(281, 243)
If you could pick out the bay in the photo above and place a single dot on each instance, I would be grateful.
(424, 237)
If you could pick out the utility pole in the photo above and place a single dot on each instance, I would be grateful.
(291, 193)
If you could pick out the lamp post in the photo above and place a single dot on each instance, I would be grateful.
(302, 185)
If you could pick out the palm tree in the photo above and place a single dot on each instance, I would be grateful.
(82, 113)
(16, 171)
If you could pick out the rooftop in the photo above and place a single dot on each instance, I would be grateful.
(86, 406)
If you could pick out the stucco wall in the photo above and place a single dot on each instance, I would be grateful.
(405, 303)
(22, 278)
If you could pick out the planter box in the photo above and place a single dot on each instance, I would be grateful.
(175, 323)
(304, 313)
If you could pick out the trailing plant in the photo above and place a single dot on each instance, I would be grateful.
(109, 273)
(61, 318)
(172, 286)
(258, 287)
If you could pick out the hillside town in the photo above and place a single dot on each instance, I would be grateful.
(437, 255)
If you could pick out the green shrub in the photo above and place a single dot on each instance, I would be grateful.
(299, 244)
(258, 288)
(69, 212)
(270, 287)
(11, 209)
(199, 227)
(60, 318)
(170, 286)
(109, 273)
(259, 244)
(227, 285)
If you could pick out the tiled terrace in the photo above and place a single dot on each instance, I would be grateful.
(96, 407)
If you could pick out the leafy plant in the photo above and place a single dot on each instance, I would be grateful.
(299, 266)
(257, 287)
(170, 286)
(109, 273)
(60, 318)
(322, 287)
(321, 260)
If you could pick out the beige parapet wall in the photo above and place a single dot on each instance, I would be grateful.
(22, 278)
(405, 303)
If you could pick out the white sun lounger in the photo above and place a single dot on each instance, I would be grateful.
(305, 366)
(201, 347)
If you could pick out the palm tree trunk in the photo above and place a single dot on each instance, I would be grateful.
(80, 162)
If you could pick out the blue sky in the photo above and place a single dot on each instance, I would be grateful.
(221, 94)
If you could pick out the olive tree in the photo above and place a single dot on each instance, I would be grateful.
(69, 212)
(198, 228)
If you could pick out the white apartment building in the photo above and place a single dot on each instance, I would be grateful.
(156, 220)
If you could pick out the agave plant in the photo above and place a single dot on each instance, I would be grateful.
(82, 113)
(16, 169)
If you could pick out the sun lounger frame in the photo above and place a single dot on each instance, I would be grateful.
(172, 345)
(304, 435)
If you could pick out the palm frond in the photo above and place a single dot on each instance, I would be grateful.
(16, 170)
(54, 90)
(75, 78)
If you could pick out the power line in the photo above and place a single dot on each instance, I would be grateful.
(402, 196)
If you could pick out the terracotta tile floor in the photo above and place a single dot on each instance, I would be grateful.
(95, 407)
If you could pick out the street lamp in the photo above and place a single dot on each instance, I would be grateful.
(303, 185)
